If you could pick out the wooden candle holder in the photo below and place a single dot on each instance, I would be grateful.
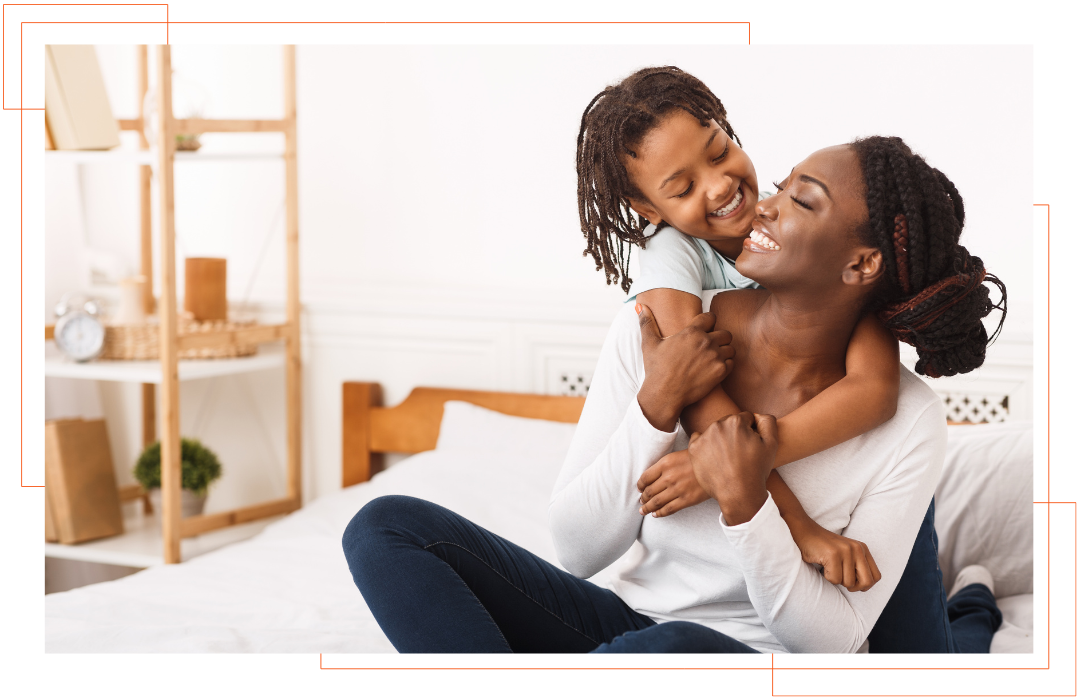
(204, 289)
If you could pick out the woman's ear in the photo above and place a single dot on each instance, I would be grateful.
(645, 209)
(865, 268)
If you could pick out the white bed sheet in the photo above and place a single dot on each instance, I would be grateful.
(289, 589)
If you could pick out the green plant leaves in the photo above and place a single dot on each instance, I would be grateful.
(199, 466)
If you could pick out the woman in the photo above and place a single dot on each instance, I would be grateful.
(691, 581)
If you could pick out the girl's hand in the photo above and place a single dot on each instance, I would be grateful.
(680, 369)
(670, 485)
(845, 562)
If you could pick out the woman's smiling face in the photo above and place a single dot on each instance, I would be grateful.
(805, 233)
(695, 178)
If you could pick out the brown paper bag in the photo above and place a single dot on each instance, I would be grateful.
(80, 484)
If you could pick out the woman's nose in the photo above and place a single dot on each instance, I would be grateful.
(765, 209)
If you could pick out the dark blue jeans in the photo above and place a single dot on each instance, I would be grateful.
(437, 582)
(918, 619)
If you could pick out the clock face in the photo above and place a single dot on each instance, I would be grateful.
(80, 336)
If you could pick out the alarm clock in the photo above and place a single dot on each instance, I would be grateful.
(79, 332)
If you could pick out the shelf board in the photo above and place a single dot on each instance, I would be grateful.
(140, 546)
(149, 371)
(148, 157)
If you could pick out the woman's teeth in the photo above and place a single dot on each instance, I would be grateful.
(764, 241)
(732, 206)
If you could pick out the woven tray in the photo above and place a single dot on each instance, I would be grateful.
(140, 342)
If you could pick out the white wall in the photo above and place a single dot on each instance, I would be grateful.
(439, 233)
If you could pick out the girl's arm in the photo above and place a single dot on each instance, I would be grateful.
(861, 401)
(864, 399)
(671, 486)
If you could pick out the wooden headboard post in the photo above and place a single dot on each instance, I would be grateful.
(369, 430)
(358, 464)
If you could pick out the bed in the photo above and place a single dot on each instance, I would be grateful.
(288, 589)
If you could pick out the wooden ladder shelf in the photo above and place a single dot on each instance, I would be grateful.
(174, 527)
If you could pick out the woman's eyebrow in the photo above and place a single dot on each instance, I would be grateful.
(819, 183)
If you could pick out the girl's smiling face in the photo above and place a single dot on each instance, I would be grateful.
(697, 179)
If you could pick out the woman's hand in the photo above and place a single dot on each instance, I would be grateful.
(670, 485)
(732, 460)
(845, 562)
(680, 369)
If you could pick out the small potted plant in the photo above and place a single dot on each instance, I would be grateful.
(200, 467)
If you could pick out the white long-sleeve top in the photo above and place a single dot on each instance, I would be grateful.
(747, 581)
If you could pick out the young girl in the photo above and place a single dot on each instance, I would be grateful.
(657, 149)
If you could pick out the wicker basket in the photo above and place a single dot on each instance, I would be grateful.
(140, 342)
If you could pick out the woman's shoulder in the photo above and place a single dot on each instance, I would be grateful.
(918, 401)
(734, 307)
(735, 303)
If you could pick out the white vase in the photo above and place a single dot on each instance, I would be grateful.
(190, 503)
(130, 310)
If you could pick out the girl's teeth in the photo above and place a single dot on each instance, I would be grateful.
(735, 202)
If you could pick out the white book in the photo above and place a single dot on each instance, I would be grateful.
(77, 107)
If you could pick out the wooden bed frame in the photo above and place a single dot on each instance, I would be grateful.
(368, 430)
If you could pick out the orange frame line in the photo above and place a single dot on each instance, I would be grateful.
(3, 37)
(535, 668)
(22, 360)
(167, 23)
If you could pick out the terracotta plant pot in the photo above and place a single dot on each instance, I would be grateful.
(190, 503)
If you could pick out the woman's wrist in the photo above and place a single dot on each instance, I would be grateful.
(741, 506)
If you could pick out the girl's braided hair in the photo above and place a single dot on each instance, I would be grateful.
(933, 295)
(612, 127)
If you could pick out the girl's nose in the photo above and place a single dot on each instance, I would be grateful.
(720, 188)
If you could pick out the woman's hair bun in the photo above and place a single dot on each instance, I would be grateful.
(944, 321)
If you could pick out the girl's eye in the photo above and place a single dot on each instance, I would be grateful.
(686, 191)
(795, 199)
(723, 155)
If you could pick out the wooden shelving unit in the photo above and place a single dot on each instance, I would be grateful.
(157, 161)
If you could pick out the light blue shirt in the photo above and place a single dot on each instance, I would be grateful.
(673, 260)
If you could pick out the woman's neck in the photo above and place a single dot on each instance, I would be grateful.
(802, 336)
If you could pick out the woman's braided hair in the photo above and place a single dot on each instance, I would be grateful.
(933, 295)
(612, 126)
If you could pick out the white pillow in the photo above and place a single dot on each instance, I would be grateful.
(468, 426)
(984, 513)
